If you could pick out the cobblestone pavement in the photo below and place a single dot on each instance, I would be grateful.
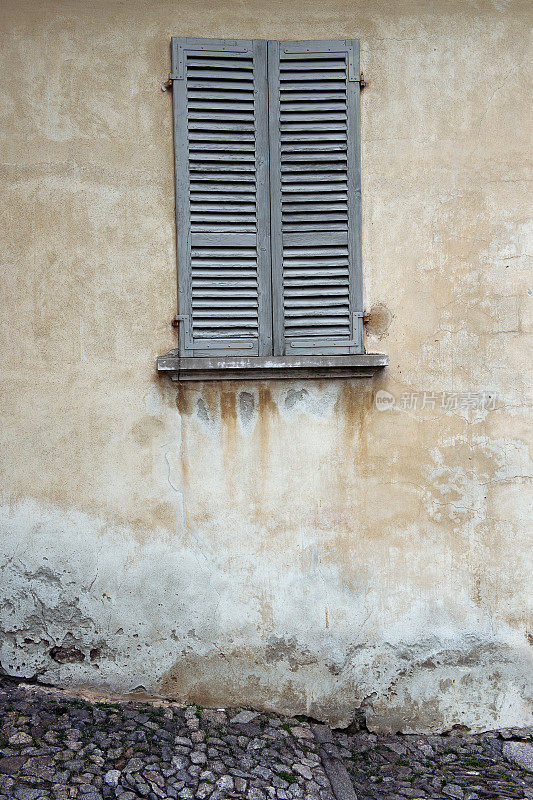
(57, 745)
(453, 766)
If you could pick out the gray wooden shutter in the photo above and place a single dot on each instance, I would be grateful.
(315, 197)
(222, 206)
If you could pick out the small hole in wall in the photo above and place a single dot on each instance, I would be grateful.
(67, 655)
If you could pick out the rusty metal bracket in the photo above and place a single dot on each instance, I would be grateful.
(362, 82)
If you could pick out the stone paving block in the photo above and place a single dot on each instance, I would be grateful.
(521, 753)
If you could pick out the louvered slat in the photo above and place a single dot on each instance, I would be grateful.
(220, 106)
(315, 181)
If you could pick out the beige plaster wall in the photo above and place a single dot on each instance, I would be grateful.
(282, 545)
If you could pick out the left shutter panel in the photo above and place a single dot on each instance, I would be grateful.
(222, 208)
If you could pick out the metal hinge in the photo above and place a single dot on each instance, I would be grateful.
(352, 73)
(186, 339)
(184, 328)
(177, 319)
(351, 77)
(166, 86)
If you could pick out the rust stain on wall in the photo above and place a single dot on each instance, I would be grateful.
(228, 415)
(185, 399)
(267, 416)
(380, 320)
(351, 411)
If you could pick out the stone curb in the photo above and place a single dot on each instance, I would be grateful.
(334, 768)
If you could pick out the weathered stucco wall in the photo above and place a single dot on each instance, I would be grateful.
(283, 545)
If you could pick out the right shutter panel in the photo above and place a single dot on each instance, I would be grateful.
(221, 154)
(315, 197)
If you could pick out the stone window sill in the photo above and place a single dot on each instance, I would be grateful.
(253, 367)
